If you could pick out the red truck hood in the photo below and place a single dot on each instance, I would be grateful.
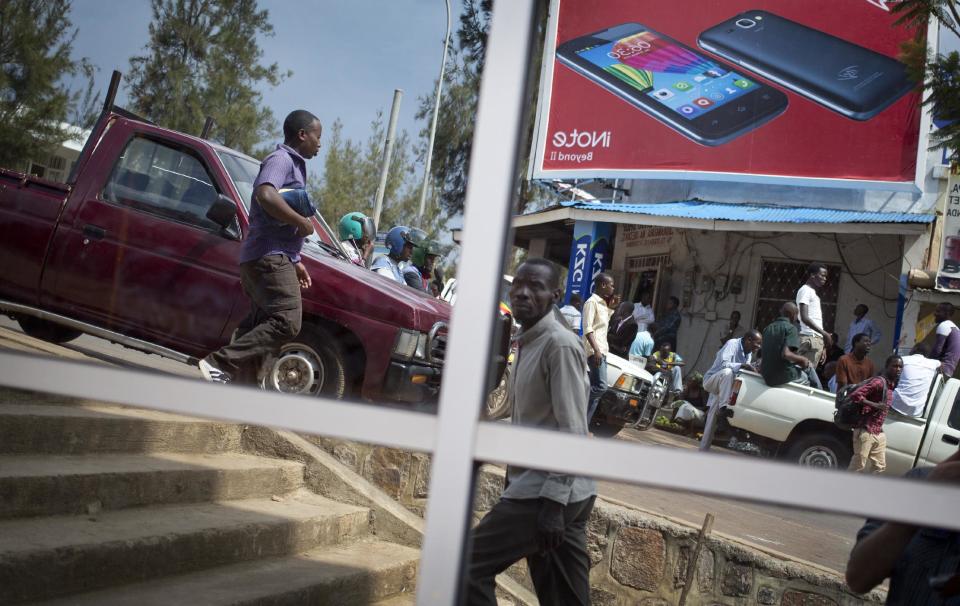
(341, 284)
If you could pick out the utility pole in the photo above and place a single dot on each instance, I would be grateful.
(387, 152)
(433, 124)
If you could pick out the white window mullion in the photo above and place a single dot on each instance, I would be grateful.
(488, 208)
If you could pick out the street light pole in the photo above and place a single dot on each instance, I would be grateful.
(433, 124)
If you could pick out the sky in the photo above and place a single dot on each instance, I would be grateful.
(347, 56)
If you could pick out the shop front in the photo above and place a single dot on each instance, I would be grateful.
(718, 259)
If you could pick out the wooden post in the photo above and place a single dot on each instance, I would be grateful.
(695, 556)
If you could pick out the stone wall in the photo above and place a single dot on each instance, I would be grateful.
(636, 558)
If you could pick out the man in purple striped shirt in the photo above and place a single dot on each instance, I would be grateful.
(270, 269)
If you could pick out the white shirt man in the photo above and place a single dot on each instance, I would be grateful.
(643, 314)
(910, 396)
(718, 380)
(811, 299)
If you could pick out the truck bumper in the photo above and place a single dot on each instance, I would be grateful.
(412, 383)
(619, 405)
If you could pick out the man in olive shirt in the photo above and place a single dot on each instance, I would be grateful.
(540, 516)
(780, 363)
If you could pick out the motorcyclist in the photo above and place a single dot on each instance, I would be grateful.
(400, 248)
(411, 271)
(357, 232)
(424, 260)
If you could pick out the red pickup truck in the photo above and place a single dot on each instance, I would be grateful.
(141, 245)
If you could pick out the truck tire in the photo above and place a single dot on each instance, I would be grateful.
(47, 331)
(819, 449)
(311, 364)
(498, 404)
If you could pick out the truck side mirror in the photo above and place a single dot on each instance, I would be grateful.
(223, 212)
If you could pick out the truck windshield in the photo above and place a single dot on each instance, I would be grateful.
(243, 172)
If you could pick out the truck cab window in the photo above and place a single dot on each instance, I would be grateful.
(162, 180)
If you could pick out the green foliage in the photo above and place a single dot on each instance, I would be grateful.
(203, 60)
(454, 137)
(36, 40)
(939, 75)
(352, 174)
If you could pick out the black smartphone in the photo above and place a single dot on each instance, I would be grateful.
(704, 99)
(849, 79)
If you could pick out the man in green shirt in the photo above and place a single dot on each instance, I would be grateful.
(780, 363)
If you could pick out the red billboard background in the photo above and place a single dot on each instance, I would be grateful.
(807, 140)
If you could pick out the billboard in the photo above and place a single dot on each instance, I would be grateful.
(785, 91)
(948, 276)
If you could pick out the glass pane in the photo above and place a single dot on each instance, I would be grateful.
(166, 508)
(157, 178)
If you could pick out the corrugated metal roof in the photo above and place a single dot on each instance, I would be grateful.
(717, 211)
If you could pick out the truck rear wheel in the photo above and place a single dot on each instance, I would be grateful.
(312, 364)
(47, 331)
(819, 449)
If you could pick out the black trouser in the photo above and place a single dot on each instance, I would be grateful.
(275, 317)
(509, 532)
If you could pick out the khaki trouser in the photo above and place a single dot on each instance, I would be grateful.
(811, 347)
(869, 446)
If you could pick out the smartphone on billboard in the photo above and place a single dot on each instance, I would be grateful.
(840, 75)
(708, 101)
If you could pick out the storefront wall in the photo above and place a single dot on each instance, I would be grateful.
(714, 273)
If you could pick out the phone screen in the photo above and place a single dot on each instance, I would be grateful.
(674, 76)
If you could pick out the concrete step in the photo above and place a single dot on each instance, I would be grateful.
(33, 485)
(357, 574)
(48, 428)
(42, 558)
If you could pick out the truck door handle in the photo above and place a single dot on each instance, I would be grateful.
(951, 439)
(93, 232)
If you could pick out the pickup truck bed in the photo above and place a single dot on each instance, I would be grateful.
(795, 422)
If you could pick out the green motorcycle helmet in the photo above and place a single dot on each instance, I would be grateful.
(424, 248)
(356, 225)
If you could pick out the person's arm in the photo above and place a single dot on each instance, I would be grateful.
(586, 317)
(728, 356)
(790, 356)
(874, 556)
(862, 393)
(805, 318)
(272, 203)
(880, 545)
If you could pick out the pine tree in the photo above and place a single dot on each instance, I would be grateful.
(36, 40)
(202, 60)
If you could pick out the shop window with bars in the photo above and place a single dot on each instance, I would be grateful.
(779, 281)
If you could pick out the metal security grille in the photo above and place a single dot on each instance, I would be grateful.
(779, 281)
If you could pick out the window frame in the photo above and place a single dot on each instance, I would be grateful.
(156, 211)
(455, 437)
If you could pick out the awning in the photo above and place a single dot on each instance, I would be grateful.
(716, 216)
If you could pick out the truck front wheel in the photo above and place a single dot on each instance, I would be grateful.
(819, 450)
(47, 331)
(312, 364)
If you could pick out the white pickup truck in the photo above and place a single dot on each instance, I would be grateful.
(795, 423)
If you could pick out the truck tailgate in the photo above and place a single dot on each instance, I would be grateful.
(29, 210)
